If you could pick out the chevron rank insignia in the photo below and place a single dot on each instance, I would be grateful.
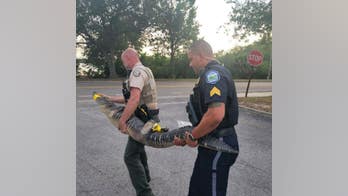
(215, 91)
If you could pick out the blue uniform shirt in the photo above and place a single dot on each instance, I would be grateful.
(216, 85)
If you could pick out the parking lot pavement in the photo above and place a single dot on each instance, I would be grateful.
(100, 147)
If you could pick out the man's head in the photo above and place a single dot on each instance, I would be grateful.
(199, 55)
(129, 58)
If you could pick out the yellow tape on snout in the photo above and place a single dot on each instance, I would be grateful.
(96, 96)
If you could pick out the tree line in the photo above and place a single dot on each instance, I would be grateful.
(107, 27)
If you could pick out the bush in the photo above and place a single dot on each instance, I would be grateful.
(160, 66)
(91, 71)
(235, 60)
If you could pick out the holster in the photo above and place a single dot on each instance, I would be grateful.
(144, 114)
(125, 90)
(191, 112)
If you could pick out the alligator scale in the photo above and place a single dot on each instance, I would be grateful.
(143, 133)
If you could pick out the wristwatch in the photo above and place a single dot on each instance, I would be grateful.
(191, 137)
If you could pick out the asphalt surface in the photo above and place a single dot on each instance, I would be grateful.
(100, 146)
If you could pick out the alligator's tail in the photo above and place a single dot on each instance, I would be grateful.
(163, 140)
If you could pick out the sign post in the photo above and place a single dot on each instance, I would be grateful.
(254, 58)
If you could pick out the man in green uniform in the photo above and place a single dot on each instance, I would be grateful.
(140, 97)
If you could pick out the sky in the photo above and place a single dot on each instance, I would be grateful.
(211, 15)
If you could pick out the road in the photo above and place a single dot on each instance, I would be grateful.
(100, 146)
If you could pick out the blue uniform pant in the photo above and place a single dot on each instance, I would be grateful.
(210, 173)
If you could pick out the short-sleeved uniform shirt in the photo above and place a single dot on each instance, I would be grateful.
(141, 77)
(216, 85)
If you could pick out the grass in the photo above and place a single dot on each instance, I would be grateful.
(257, 103)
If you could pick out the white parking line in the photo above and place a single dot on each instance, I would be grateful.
(161, 103)
(159, 97)
(173, 103)
(158, 86)
(250, 94)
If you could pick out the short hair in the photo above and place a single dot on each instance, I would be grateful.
(201, 47)
(130, 53)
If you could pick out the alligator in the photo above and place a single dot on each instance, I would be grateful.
(144, 133)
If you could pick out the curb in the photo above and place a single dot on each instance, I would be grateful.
(256, 111)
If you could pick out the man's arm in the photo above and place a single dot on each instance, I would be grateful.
(131, 106)
(116, 99)
(210, 120)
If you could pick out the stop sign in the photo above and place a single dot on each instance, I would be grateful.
(255, 58)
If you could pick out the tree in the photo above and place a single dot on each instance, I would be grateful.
(110, 26)
(236, 59)
(251, 17)
(173, 27)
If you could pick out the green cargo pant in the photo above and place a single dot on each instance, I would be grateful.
(136, 161)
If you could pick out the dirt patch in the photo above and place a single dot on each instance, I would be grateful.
(257, 103)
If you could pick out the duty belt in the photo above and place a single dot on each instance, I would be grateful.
(153, 112)
(145, 114)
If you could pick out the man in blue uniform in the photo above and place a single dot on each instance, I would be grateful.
(213, 111)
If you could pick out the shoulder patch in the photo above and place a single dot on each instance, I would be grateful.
(211, 77)
(136, 73)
